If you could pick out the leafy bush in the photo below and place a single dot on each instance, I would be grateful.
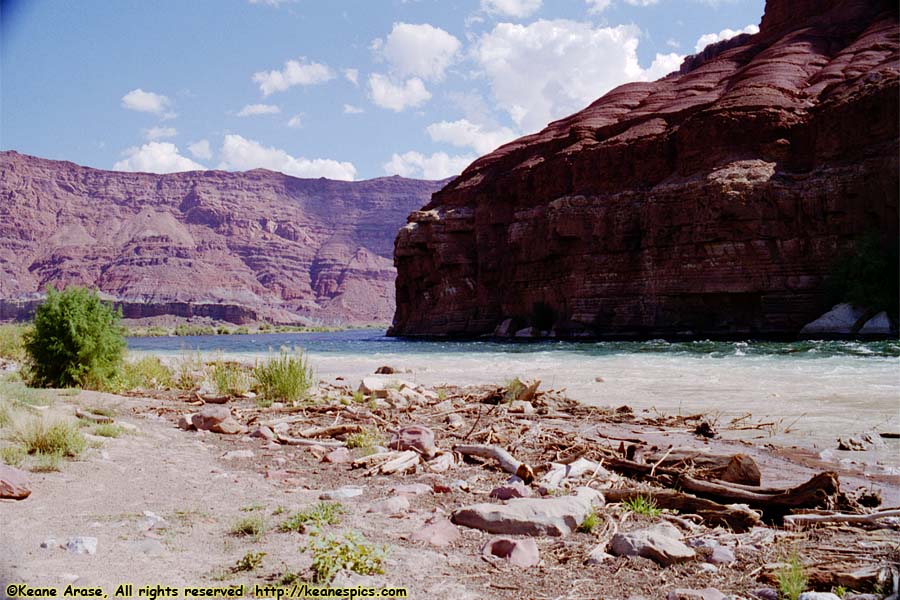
(641, 505)
(869, 277)
(76, 341)
(332, 555)
(286, 378)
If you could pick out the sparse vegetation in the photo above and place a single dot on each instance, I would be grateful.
(249, 526)
(190, 330)
(641, 505)
(189, 372)
(250, 562)
(319, 515)
(75, 341)
(350, 552)
(590, 523)
(46, 462)
(359, 397)
(366, 441)
(147, 373)
(13, 455)
(12, 342)
(286, 378)
(39, 436)
(110, 430)
(791, 578)
(230, 378)
(514, 387)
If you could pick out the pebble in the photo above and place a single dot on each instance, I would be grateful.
(264, 433)
(342, 493)
(766, 594)
(234, 454)
(708, 568)
(598, 556)
(153, 521)
(411, 489)
(50, 543)
(82, 545)
(721, 556)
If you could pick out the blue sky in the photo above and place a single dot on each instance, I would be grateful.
(339, 88)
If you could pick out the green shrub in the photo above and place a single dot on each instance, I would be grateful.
(791, 578)
(366, 440)
(76, 341)
(252, 525)
(286, 378)
(351, 552)
(147, 373)
(230, 378)
(642, 505)
(590, 523)
(13, 455)
(45, 462)
(109, 430)
(42, 437)
(319, 515)
(868, 277)
(12, 342)
(250, 562)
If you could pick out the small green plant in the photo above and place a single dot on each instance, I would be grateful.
(641, 505)
(791, 578)
(350, 552)
(13, 455)
(109, 430)
(248, 526)
(840, 591)
(147, 373)
(38, 436)
(289, 578)
(366, 441)
(514, 387)
(230, 378)
(75, 341)
(185, 329)
(103, 411)
(46, 462)
(279, 510)
(188, 373)
(359, 397)
(250, 562)
(6, 414)
(252, 508)
(441, 394)
(12, 342)
(286, 378)
(319, 515)
(590, 523)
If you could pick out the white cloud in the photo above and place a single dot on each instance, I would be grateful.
(352, 75)
(159, 133)
(437, 166)
(349, 109)
(142, 101)
(295, 72)
(595, 7)
(239, 153)
(252, 110)
(464, 133)
(200, 150)
(387, 94)
(275, 3)
(156, 157)
(662, 65)
(418, 50)
(518, 9)
(549, 69)
(725, 34)
(296, 121)
(641, 2)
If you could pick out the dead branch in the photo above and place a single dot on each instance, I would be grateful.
(331, 431)
(507, 461)
(801, 520)
(737, 518)
(292, 441)
(82, 414)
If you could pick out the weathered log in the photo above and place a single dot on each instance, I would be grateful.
(733, 468)
(737, 518)
(800, 520)
(331, 431)
(292, 441)
(507, 461)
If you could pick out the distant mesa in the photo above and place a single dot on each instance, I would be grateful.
(712, 202)
(236, 247)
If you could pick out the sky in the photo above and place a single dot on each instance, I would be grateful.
(345, 89)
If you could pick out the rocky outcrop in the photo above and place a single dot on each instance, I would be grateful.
(231, 246)
(713, 202)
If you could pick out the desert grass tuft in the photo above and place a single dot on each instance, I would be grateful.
(39, 436)
(286, 378)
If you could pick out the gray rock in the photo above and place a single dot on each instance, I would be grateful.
(414, 437)
(439, 533)
(504, 329)
(708, 568)
(338, 456)
(555, 516)
(818, 596)
(263, 432)
(234, 454)
(153, 521)
(766, 594)
(150, 547)
(521, 553)
(394, 505)
(597, 556)
(880, 324)
(704, 594)
(511, 490)
(721, 556)
(50, 543)
(410, 489)
(82, 545)
(661, 543)
(842, 319)
(862, 597)
(342, 493)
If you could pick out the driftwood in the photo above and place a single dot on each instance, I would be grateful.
(773, 502)
(737, 518)
(388, 463)
(331, 431)
(89, 416)
(800, 520)
(507, 461)
(558, 472)
(733, 468)
(834, 574)
(292, 441)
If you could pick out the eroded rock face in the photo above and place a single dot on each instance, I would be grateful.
(711, 202)
(231, 246)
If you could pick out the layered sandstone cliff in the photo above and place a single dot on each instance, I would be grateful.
(710, 203)
(231, 246)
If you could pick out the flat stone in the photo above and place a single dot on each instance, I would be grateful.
(338, 456)
(880, 324)
(82, 545)
(236, 454)
(439, 533)
(721, 555)
(394, 505)
(818, 596)
(414, 437)
(557, 516)
(660, 543)
(597, 556)
(687, 594)
(227, 427)
(13, 483)
(263, 432)
(410, 489)
(521, 553)
(342, 493)
(511, 490)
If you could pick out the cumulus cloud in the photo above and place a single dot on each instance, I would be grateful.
(349, 109)
(549, 69)
(465, 134)
(156, 157)
(159, 133)
(295, 72)
(437, 166)
(387, 94)
(352, 75)
(149, 102)
(252, 110)
(517, 9)
(418, 50)
(200, 150)
(725, 34)
(641, 2)
(241, 154)
(595, 7)
(296, 121)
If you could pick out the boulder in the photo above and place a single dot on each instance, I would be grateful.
(264, 433)
(842, 319)
(210, 416)
(414, 437)
(338, 456)
(385, 370)
(13, 483)
(880, 324)
(521, 553)
(661, 543)
(504, 329)
(556, 516)
(394, 505)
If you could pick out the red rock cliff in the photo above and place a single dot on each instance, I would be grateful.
(233, 246)
(711, 202)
